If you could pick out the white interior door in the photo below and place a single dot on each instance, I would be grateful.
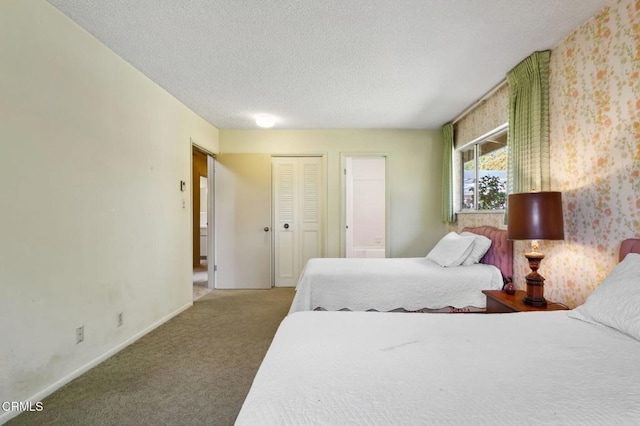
(365, 206)
(298, 226)
(243, 220)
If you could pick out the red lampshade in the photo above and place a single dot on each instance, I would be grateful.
(535, 216)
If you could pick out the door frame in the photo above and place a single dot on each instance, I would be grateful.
(211, 221)
(343, 198)
(325, 207)
(211, 255)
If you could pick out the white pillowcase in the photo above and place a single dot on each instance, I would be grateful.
(480, 247)
(616, 302)
(451, 250)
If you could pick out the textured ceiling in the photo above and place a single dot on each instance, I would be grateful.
(315, 64)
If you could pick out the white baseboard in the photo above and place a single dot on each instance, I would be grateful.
(8, 415)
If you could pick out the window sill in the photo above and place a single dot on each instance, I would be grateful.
(481, 212)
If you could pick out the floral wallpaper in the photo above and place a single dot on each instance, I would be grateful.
(473, 219)
(595, 149)
(489, 115)
(595, 152)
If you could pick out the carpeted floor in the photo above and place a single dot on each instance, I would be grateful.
(200, 281)
(196, 369)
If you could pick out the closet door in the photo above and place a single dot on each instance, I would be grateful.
(285, 220)
(297, 194)
(311, 207)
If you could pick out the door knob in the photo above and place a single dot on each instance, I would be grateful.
(286, 226)
(266, 229)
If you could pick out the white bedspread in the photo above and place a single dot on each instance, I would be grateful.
(391, 283)
(338, 368)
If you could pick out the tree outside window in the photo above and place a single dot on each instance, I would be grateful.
(484, 173)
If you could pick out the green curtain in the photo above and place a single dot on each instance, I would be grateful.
(447, 173)
(528, 138)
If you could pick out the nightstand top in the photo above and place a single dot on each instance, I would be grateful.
(515, 301)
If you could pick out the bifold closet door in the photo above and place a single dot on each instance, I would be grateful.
(297, 195)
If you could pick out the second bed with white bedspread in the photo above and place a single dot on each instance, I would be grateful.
(336, 368)
(388, 284)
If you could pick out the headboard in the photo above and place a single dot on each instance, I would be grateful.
(500, 253)
(632, 245)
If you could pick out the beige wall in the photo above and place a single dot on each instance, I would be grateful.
(92, 220)
(414, 169)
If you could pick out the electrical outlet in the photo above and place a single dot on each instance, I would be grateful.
(80, 334)
(120, 319)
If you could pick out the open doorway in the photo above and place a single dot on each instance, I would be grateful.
(202, 200)
(365, 203)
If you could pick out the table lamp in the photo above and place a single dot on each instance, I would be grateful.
(535, 216)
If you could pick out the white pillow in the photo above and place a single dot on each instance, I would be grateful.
(481, 246)
(451, 250)
(616, 302)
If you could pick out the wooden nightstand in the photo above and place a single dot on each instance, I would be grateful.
(499, 302)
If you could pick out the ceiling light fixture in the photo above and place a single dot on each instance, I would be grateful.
(265, 120)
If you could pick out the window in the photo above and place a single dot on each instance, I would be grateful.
(484, 172)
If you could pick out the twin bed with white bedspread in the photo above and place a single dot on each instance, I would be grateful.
(388, 284)
(561, 367)
(409, 284)
(337, 368)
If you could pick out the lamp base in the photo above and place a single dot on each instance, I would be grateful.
(535, 282)
(538, 303)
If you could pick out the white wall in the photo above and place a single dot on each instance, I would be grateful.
(92, 220)
(413, 169)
